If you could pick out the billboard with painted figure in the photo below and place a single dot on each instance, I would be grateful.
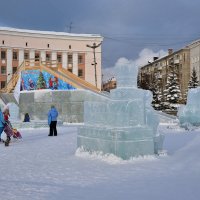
(36, 80)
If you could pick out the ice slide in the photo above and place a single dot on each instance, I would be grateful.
(57, 71)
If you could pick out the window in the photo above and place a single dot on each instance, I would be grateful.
(37, 56)
(80, 72)
(26, 55)
(3, 69)
(177, 56)
(26, 44)
(14, 55)
(48, 45)
(59, 58)
(70, 59)
(2, 41)
(80, 59)
(70, 46)
(3, 84)
(14, 70)
(48, 57)
(3, 54)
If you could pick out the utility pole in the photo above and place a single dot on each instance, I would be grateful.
(94, 46)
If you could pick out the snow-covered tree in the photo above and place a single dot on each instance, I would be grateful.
(157, 96)
(184, 97)
(193, 83)
(172, 93)
(157, 99)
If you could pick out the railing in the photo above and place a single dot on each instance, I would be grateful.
(13, 81)
(54, 68)
(81, 82)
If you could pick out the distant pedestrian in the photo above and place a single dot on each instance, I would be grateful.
(52, 121)
(26, 118)
(2, 123)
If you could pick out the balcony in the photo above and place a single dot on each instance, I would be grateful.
(176, 61)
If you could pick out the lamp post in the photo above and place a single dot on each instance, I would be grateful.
(94, 46)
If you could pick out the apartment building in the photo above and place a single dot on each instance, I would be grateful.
(71, 51)
(195, 57)
(179, 61)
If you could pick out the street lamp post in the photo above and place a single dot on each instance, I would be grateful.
(94, 46)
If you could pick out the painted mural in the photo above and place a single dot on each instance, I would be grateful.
(36, 80)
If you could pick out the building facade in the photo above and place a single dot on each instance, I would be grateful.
(110, 84)
(195, 57)
(159, 69)
(71, 51)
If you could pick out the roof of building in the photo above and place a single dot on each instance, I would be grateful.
(164, 57)
(52, 33)
(195, 42)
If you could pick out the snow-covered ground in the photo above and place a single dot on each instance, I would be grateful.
(41, 167)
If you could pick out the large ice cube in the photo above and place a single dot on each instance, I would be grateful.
(124, 124)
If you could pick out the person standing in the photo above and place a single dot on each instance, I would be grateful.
(26, 118)
(2, 123)
(52, 121)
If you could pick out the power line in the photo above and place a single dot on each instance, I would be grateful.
(137, 42)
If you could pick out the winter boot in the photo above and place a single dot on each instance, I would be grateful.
(7, 141)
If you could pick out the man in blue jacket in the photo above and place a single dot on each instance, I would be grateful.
(2, 123)
(52, 121)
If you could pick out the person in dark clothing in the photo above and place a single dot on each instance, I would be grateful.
(26, 118)
(52, 121)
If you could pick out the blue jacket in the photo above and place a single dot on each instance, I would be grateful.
(52, 115)
(2, 121)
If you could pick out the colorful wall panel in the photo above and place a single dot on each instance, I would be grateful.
(36, 80)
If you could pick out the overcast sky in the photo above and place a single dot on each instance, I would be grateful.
(128, 26)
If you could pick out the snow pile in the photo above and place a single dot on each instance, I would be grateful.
(112, 159)
(46, 168)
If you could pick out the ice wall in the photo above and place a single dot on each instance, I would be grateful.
(69, 103)
(125, 124)
(190, 113)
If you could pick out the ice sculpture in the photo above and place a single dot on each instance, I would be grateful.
(124, 124)
(190, 113)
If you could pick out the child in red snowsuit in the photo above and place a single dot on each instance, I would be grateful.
(6, 114)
